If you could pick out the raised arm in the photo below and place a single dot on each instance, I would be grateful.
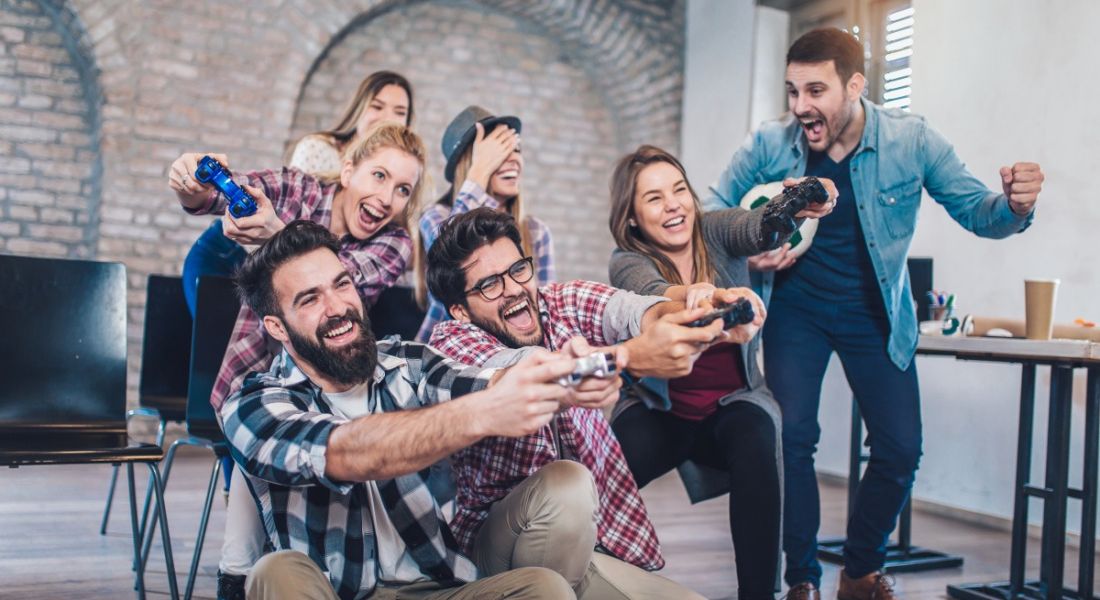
(520, 401)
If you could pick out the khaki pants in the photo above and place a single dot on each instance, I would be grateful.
(291, 575)
(549, 520)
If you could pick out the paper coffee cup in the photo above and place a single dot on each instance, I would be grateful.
(1039, 298)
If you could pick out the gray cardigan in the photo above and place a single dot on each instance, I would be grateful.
(731, 235)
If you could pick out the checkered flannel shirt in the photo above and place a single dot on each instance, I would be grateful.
(488, 470)
(471, 196)
(278, 426)
(375, 264)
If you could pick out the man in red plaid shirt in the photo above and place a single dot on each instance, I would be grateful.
(561, 498)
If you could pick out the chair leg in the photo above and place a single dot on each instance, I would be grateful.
(148, 530)
(210, 489)
(139, 582)
(165, 537)
(149, 488)
(110, 497)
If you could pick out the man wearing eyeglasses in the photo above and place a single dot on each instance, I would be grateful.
(563, 497)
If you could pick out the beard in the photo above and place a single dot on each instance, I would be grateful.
(834, 125)
(350, 364)
(500, 331)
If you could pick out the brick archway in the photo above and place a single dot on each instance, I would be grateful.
(50, 183)
(586, 79)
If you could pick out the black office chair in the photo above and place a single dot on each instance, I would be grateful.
(216, 309)
(63, 400)
(165, 359)
(395, 313)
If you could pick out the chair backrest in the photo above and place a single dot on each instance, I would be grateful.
(166, 348)
(396, 312)
(920, 279)
(62, 353)
(216, 308)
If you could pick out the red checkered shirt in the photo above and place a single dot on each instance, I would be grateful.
(488, 470)
(375, 264)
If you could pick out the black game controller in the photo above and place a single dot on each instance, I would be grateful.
(597, 364)
(779, 212)
(736, 313)
(240, 203)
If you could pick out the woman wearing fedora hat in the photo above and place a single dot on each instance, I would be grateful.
(484, 167)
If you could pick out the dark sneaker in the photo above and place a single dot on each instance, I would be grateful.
(873, 586)
(230, 587)
(803, 591)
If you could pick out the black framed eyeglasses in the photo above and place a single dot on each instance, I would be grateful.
(492, 287)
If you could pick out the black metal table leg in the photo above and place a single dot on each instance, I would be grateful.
(1054, 494)
(1018, 564)
(1088, 487)
(1057, 481)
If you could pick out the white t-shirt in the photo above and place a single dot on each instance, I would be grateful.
(395, 564)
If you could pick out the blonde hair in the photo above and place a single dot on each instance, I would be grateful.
(624, 185)
(513, 206)
(388, 135)
(344, 130)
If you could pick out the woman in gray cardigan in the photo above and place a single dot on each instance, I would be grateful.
(719, 425)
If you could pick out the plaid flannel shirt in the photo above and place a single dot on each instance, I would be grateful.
(488, 470)
(278, 426)
(375, 264)
(471, 196)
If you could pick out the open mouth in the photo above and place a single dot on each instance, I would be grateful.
(370, 216)
(340, 332)
(675, 222)
(813, 128)
(519, 316)
(509, 175)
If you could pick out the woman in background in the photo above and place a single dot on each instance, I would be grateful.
(485, 168)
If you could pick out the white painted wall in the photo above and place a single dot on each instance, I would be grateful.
(1003, 86)
(717, 85)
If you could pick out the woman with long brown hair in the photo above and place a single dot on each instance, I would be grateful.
(485, 168)
(719, 424)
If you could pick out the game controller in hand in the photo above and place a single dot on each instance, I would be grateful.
(597, 364)
(733, 314)
(240, 202)
(780, 211)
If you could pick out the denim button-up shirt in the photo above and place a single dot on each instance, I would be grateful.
(897, 156)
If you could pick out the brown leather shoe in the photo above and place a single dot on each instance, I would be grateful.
(873, 586)
(803, 591)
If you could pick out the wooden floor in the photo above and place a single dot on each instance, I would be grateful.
(50, 547)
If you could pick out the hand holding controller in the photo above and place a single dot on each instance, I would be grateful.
(240, 202)
(780, 211)
(597, 364)
(739, 312)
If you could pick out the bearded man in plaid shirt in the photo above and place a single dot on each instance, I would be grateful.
(336, 438)
(563, 496)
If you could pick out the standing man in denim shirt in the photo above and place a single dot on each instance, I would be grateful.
(850, 292)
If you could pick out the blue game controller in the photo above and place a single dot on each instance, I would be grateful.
(240, 202)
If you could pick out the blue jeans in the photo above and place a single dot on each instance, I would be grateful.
(799, 338)
(211, 254)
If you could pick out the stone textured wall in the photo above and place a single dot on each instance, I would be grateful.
(97, 97)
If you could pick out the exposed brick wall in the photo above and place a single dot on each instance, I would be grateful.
(156, 78)
(458, 53)
(49, 159)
